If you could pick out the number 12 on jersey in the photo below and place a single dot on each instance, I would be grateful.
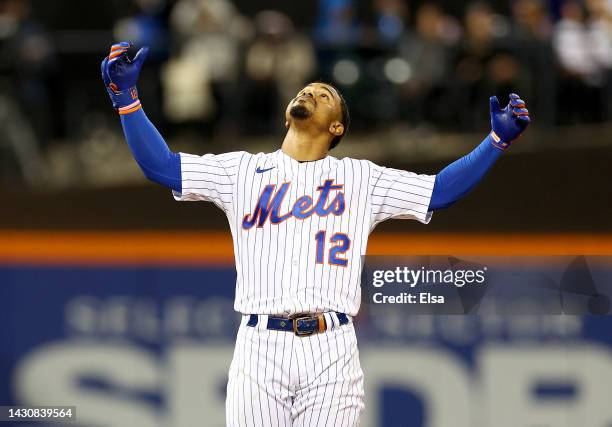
(339, 242)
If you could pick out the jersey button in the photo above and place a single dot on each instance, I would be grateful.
(295, 262)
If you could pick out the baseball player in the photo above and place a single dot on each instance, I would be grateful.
(300, 221)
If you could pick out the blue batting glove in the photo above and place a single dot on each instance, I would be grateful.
(120, 74)
(508, 124)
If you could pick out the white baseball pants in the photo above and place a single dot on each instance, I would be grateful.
(279, 379)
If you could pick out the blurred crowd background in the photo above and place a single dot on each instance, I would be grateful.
(417, 76)
(222, 70)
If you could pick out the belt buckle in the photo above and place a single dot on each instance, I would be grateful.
(295, 320)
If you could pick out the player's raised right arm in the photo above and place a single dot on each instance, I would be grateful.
(148, 147)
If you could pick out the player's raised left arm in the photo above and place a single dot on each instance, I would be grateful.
(461, 176)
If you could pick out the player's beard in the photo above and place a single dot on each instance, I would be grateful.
(300, 111)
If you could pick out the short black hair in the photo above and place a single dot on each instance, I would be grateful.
(345, 119)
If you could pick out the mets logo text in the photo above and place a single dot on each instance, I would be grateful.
(269, 203)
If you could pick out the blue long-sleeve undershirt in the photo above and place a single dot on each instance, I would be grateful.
(460, 177)
(162, 166)
(151, 152)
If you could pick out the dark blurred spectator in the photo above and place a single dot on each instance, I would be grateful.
(201, 79)
(337, 24)
(148, 26)
(599, 28)
(485, 64)
(391, 17)
(278, 62)
(427, 53)
(531, 34)
(27, 64)
(581, 79)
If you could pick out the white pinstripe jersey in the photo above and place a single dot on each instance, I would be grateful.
(300, 228)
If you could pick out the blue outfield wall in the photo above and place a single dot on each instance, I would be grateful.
(151, 346)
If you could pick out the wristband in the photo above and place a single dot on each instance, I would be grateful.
(135, 106)
(498, 143)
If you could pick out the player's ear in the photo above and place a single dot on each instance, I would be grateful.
(336, 128)
(287, 115)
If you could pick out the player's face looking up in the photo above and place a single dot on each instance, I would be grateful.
(317, 107)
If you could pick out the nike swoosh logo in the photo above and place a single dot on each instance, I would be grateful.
(259, 170)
